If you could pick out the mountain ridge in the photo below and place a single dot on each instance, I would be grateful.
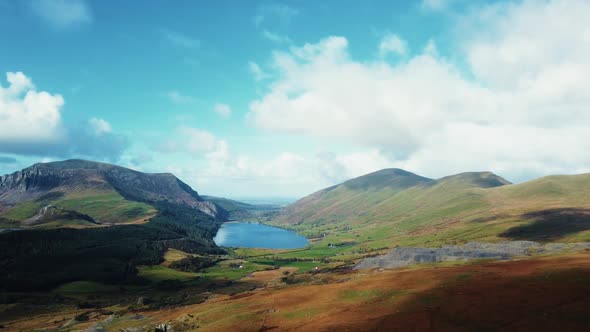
(379, 186)
(468, 206)
(76, 177)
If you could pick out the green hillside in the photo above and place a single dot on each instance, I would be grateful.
(399, 208)
(105, 207)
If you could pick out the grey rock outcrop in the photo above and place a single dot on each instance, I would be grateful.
(404, 256)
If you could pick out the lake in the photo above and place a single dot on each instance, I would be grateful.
(246, 235)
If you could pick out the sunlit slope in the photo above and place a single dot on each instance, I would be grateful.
(103, 206)
(349, 200)
(458, 208)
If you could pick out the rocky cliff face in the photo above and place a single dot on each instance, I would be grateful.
(77, 175)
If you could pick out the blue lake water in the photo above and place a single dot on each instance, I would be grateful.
(245, 235)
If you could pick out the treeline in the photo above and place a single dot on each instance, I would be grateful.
(42, 259)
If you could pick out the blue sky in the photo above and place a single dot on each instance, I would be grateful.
(282, 98)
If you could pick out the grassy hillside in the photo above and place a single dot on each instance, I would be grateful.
(454, 209)
(105, 207)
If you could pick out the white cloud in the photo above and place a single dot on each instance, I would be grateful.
(275, 37)
(215, 168)
(198, 140)
(100, 126)
(28, 116)
(62, 13)
(392, 44)
(520, 108)
(285, 174)
(190, 140)
(223, 110)
(31, 124)
(256, 71)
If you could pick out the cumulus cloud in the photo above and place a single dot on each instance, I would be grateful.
(223, 110)
(198, 140)
(520, 108)
(94, 139)
(392, 44)
(190, 140)
(28, 116)
(216, 168)
(62, 13)
(100, 126)
(285, 174)
(31, 124)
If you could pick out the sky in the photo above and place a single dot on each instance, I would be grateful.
(283, 98)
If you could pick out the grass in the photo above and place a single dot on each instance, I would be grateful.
(108, 207)
(65, 223)
(102, 206)
(223, 271)
(303, 266)
(370, 295)
(303, 313)
(360, 295)
(158, 273)
(173, 255)
(23, 211)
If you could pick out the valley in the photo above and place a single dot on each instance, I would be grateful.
(389, 249)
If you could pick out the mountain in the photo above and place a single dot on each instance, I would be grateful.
(351, 197)
(61, 210)
(107, 193)
(241, 211)
(395, 207)
(359, 195)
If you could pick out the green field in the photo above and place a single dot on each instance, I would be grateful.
(158, 273)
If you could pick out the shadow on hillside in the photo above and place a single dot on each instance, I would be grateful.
(550, 225)
(518, 304)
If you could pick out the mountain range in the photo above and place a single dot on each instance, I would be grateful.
(395, 207)
(90, 241)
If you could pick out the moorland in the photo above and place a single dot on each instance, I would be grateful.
(95, 246)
